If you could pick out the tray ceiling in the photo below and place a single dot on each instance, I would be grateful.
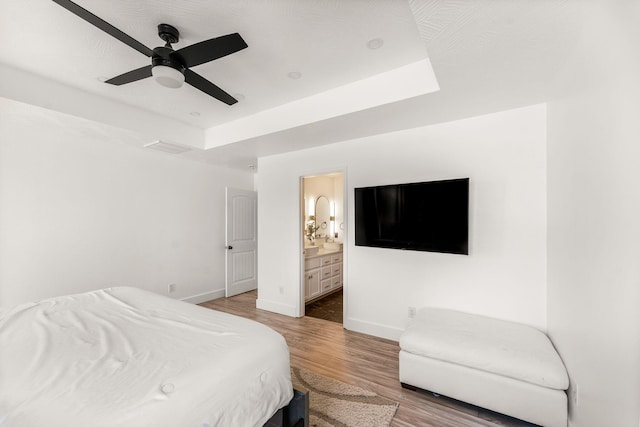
(306, 59)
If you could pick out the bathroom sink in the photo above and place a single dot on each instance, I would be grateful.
(334, 246)
(311, 250)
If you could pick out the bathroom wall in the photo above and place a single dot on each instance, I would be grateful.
(332, 187)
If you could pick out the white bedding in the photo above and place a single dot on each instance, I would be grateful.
(128, 357)
(505, 348)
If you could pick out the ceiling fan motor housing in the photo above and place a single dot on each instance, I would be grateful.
(161, 56)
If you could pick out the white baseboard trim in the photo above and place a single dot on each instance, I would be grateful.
(207, 296)
(276, 307)
(375, 329)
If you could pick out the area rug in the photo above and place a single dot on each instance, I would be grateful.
(336, 404)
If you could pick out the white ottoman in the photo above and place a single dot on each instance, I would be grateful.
(499, 365)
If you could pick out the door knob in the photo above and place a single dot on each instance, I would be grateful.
(228, 247)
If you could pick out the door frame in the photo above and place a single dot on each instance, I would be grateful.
(345, 238)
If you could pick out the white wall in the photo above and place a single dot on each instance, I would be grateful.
(504, 276)
(594, 218)
(78, 212)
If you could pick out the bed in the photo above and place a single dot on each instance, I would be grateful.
(127, 357)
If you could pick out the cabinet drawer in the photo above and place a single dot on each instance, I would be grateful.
(326, 285)
(326, 260)
(312, 263)
(336, 282)
(336, 258)
(336, 269)
(326, 272)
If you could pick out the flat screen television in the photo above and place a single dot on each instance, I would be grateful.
(424, 216)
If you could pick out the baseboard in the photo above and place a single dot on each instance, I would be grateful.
(276, 307)
(207, 296)
(375, 329)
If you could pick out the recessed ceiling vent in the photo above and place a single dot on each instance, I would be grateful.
(167, 147)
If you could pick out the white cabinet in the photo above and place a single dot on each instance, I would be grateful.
(312, 284)
(312, 272)
(323, 274)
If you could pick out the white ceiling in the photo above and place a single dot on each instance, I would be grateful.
(487, 55)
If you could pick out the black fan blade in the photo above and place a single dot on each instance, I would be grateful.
(131, 76)
(199, 82)
(104, 26)
(209, 50)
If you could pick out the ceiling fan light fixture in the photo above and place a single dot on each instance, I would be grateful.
(167, 76)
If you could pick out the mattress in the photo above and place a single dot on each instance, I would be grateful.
(127, 357)
(505, 348)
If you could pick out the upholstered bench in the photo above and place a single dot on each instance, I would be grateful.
(495, 364)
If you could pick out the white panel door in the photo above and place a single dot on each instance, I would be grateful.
(241, 241)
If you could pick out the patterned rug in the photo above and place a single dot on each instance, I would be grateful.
(336, 404)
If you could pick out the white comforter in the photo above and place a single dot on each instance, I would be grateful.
(128, 357)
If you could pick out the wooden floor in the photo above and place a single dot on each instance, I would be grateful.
(368, 362)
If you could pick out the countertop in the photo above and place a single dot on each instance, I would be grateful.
(323, 252)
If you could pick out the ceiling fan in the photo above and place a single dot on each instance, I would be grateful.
(170, 68)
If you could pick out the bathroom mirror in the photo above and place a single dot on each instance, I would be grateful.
(322, 215)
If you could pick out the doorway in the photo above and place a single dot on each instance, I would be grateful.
(323, 225)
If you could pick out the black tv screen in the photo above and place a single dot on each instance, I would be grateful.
(424, 216)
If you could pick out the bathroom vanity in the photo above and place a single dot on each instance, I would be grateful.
(322, 272)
